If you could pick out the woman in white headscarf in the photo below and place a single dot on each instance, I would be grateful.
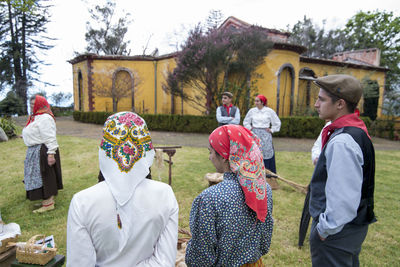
(127, 220)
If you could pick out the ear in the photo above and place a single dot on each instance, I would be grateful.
(341, 104)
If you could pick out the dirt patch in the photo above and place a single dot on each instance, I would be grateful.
(67, 126)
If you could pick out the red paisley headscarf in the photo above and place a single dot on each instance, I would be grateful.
(41, 106)
(242, 148)
(263, 99)
(346, 120)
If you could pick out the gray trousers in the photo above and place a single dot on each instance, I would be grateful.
(341, 249)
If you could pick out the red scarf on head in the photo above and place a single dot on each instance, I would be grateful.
(346, 120)
(41, 106)
(263, 99)
(242, 148)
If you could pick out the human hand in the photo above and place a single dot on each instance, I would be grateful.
(268, 130)
(50, 159)
(315, 161)
(320, 237)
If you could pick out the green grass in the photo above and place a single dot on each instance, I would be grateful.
(80, 170)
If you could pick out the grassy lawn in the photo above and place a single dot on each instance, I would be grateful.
(80, 170)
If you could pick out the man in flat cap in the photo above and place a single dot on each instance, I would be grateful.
(342, 186)
(227, 113)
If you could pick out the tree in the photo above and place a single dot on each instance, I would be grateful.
(377, 30)
(319, 43)
(60, 97)
(104, 36)
(22, 32)
(208, 56)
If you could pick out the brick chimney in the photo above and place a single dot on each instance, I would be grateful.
(369, 56)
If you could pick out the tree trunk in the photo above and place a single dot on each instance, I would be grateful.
(24, 89)
(18, 81)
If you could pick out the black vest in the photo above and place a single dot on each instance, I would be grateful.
(224, 113)
(365, 212)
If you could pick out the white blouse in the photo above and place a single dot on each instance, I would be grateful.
(93, 237)
(41, 131)
(262, 118)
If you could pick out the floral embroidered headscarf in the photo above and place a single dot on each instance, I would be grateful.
(126, 154)
(242, 148)
(41, 106)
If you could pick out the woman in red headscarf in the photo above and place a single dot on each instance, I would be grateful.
(231, 222)
(42, 166)
(263, 122)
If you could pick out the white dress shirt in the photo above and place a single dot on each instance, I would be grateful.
(93, 237)
(262, 118)
(317, 147)
(41, 131)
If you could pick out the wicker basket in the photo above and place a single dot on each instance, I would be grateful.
(4, 243)
(29, 252)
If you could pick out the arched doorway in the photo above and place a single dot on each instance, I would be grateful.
(284, 99)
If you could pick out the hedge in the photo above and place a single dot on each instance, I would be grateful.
(296, 127)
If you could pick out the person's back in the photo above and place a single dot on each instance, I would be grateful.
(127, 220)
(157, 205)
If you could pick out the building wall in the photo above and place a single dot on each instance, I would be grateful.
(77, 68)
(322, 70)
(276, 64)
(280, 83)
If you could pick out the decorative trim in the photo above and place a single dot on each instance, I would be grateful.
(90, 84)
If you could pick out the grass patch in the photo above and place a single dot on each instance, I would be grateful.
(80, 169)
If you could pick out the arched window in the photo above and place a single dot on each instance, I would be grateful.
(122, 87)
(80, 91)
(371, 98)
(307, 93)
(284, 99)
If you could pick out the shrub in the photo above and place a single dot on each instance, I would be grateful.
(8, 127)
(383, 128)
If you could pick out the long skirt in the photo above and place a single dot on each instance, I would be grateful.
(51, 177)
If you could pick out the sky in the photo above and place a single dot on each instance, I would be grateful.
(156, 23)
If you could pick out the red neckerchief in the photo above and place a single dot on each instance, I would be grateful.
(41, 106)
(242, 149)
(346, 120)
(228, 108)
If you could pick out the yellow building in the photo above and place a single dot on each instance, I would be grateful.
(136, 82)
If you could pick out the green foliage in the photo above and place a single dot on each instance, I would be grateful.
(103, 35)
(300, 127)
(383, 128)
(295, 126)
(377, 30)
(62, 111)
(11, 105)
(317, 40)
(8, 127)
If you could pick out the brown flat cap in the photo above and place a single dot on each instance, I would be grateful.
(344, 86)
(228, 94)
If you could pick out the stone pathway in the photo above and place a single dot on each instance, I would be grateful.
(67, 126)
